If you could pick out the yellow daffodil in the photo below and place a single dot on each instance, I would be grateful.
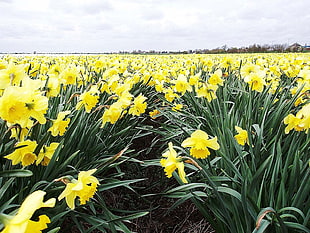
(12, 106)
(173, 162)
(12, 75)
(216, 78)
(46, 154)
(153, 114)
(88, 100)
(19, 104)
(199, 143)
(181, 84)
(292, 122)
(113, 113)
(304, 115)
(69, 75)
(53, 86)
(256, 81)
(170, 95)
(60, 125)
(194, 80)
(21, 223)
(84, 188)
(177, 107)
(37, 106)
(249, 69)
(300, 122)
(208, 91)
(125, 99)
(139, 106)
(242, 136)
(24, 153)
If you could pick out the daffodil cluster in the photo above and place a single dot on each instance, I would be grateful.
(41, 98)
(199, 142)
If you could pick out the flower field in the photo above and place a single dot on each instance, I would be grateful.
(232, 131)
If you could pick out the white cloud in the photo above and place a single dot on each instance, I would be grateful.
(106, 25)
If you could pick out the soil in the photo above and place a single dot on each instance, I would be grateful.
(184, 218)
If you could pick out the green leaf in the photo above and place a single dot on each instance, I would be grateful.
(129, 217)
(229, 191)
(6, 185)
(55, 230)
(117, 183)
(16, 173)
(297, 226)
(188, 187)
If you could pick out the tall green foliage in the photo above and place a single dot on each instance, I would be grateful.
(262, 186)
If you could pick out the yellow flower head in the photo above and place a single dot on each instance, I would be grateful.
(173, 162)
(208, 91)
(153, 114)
(12, 75)
(139, 106)
(304, 115)
(199, 143)
(84, 188)
(113, 113)
(292, 122)
(170, 95)
(60, 125)
(216, 78)
(256, 81)
(46, 154)
(300, 122)
(18, 104)
(24, 154)
(69, 75)
(177, 107)
(21, 222)
(37, 106)
(88, 101)
(125, 99)
(194, 80)
(53, 86)
(181, 84)
(249, 69)
(242, 136)
(12, 106)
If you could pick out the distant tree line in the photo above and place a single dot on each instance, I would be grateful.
(255, 48)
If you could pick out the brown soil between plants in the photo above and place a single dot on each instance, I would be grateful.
(185, 218)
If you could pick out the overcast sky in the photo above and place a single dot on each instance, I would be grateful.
(127, 25)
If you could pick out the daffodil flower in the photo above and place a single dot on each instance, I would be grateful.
(60, 125)
(139, 106)
(216, 78)
(256, 81)
(112, 113)
(21, 223)
(88, 99)
(173, 162)
(84, 188)
(46, 154)
(199, 143)
(242, 136)
(24, 153)
(19, 104)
